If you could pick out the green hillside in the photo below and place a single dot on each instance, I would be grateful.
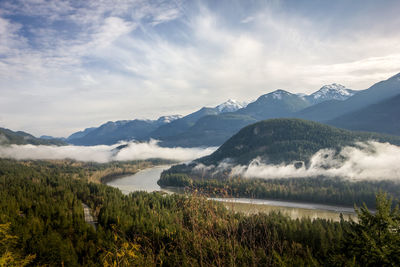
(278, 141)
(8, 137)
(287, 140)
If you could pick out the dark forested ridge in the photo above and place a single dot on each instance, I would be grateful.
(42, 223)
(287, 140)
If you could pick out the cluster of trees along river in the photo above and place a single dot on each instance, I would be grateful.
(42, 223)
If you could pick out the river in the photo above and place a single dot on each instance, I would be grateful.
(146, 180)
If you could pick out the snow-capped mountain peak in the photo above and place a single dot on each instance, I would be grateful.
(334, 87)
(277, 94)
(230, 106)
(331, 92)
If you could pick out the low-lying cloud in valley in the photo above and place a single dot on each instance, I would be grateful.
(365, 161)
(103, 153)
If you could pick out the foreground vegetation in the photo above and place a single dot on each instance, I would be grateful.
(42, 223)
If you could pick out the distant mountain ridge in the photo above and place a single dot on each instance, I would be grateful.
(214, 129)
(206, 126)
(163, 127)
(80, 133)
(331, 109)
(330, 92)
(380, 117)
(213, 126)
(276, 103)
(113, 132)
(230, 106)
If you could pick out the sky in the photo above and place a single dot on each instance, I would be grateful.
(66, 65)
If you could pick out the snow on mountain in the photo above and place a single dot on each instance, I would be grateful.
(168, 119)
(302, 95)
(277, 94)
(161, 120)
(330, 92)
(230, 106)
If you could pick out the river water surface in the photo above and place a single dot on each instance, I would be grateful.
(146, 180)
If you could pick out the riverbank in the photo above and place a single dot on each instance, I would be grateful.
(146, 180)
(287, 208)
(114, 176)
(117, 170)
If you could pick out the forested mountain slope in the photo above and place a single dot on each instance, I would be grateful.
(8, 137)
(286, 140)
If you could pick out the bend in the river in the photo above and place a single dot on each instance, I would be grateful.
(146, 180)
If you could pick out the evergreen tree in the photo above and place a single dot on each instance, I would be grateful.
(375, 239)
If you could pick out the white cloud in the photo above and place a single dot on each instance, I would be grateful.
(9, 38)
(139, 59)
(366, 161)
(103, 153)
(247, 19)
(110, 31)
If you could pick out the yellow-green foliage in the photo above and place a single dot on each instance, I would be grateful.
(9, 254)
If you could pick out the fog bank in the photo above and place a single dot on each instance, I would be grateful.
(103, 153)
(365, 161)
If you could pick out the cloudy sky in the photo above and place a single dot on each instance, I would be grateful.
(70, 64)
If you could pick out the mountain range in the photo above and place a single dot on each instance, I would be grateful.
(161, 129)
(330, 92)
(113, 132)
(209, 126)
(374, 109)
(329, 110)
(336, 102)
